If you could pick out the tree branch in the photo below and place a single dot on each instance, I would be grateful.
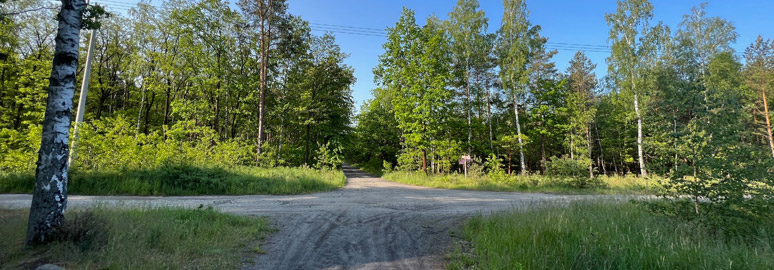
(25, 11)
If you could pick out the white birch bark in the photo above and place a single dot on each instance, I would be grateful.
(49, 198)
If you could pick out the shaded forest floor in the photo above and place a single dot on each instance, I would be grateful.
(185, 180)
(623, 185)
(135, 238)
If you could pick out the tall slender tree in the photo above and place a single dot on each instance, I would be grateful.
(633, 51)
(467, 27)
(49, 198)
(513, 54)
(266, 15)
(759, 71)
(582, 82)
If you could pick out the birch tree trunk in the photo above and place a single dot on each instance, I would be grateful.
(49, 198)
(518, 132)
(643, 172)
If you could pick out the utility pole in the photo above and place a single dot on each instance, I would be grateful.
(82, 97)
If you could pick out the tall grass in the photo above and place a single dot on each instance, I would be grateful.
(153, 238)
(604, 235)
(189, 180)
(530, 183)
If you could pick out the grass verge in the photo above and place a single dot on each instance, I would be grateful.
(189, 180)
(153, 238)
(531, 183)
(603, 235)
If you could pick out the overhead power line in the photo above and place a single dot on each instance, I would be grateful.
(382, 33)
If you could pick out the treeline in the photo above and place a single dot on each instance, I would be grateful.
(675, 102)
(251, 76)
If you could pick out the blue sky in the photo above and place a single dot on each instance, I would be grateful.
(563, 22)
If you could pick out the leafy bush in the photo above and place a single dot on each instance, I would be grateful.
(494, 167)
(476, 169)
(386, 166)
(576, 171)
(328, 156)
(18, 150)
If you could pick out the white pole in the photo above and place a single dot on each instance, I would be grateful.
(82, 97)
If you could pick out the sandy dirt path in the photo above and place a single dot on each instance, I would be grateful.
(371, 223)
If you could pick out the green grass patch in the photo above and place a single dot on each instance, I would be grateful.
(604, 235)
(189, 180)
(150, 238)
(531, 183)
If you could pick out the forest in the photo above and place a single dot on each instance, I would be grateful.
(181, 82)
(216, 98)
(675, 102)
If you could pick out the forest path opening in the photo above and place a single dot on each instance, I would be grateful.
(371, 223)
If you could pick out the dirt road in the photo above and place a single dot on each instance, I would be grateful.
(369, 224)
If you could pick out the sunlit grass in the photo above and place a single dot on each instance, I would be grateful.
(530, 183)
(190, 180)
(151, 238)
(603, 235)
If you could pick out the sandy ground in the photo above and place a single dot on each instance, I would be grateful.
(371, 223)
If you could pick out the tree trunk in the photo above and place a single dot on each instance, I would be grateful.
(542, 153)
(49, 197)
(265, 39)
(470, 108)
(768, 121)
(424, 160)
(509, 162)
(306, 155)
(167, 101)
(147, 112)
(572, 143)
(139, 113)
(588, 147)
(641, 158)
(518, 132)
(601, 152)
(489, 118)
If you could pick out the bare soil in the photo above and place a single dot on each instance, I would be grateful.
(371, 223)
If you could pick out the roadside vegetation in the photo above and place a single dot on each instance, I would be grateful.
(184, 160)
(140, 238)
(607, 235)
(680, 113)
(531, 183)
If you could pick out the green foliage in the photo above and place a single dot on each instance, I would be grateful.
(575, 170)
(476, 168)
(329, 156)
(149, 238)
(494, 168)
(728, 180)
(603, 235)
(17, 150)
(190, 161)
(386, 167)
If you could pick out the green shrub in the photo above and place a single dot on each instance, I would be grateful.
(328, 156)
(494, 167)
(386, 167)
(575, 171)
(476, 169)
